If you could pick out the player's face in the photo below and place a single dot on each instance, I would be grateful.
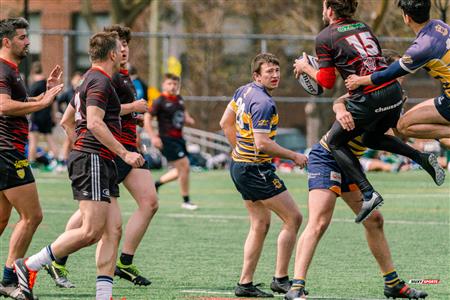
(116, 56)
(124, 53)
(325, 13)
(170, 86)
(269, 76)
(20, 44)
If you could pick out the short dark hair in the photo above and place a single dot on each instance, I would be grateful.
(36, 68)
(123, 31)
(418, 10)
(390, 55)
(171, 77)
(262, 58)
(100, 44)
(8, 28)
(342, 8)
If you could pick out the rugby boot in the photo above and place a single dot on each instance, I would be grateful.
(27, 278)
(402, 290)
(59, 274)
(281, 287)
(130, 273)
(430, 164)
(369, 206)
(250, 291)
(296, 294)
(12, 291)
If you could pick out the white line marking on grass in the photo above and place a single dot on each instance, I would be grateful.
(209, 292)
(242, 217)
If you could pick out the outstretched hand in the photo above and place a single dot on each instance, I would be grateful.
(55, 77)
(300, 64)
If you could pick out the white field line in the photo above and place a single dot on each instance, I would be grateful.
(241, 217)
(209, 292)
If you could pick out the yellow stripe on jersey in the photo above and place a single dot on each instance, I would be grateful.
(440, 69)
(355, 145)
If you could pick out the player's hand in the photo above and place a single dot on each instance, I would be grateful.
(134, 159)
(50, 95)
(140, 106)
(156, 142)
(55, 77)
(300, 160)
(300, 64)
(346, 120)
(352, 82)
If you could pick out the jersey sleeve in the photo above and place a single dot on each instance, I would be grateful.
(97, 93)
(5, 87)
(261, 113)
(417, 55)
(323, 50)
(154, 109)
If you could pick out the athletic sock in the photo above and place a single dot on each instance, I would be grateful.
(281, 279)
(186, 199)
(248, 284)
(61, 261)
(40, 259)
(104, 287)
(158, 184)
(298, 283)
(9, 276)
(126, 259)
(391, 278)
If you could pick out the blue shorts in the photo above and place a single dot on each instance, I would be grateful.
(256, 181)
(442, 104)
(324, 172)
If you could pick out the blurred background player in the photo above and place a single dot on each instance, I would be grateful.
(250, 122)
(17, 184)
(171, 114)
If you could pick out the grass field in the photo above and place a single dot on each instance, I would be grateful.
(198, 255)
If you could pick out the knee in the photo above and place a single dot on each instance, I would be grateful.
(92, 235)
(402, 126)
(375, 221)
(295, 220)
(33, 220)
(319, 227)
(261, 227)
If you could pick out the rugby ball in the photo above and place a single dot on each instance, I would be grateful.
(309, 84)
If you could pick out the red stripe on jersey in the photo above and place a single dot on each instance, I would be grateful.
(10, 63)
(372, 88)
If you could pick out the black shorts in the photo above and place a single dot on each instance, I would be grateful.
(15, 170)
(442, 104)
(379, 110)
(173, 148)
(93, 177)
(41, 126)
(256, 181)
(123, 169)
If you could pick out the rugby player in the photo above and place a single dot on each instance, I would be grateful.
(250, 122)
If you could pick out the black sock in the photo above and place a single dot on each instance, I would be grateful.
(281, 279)
(126, 259)
(246, 284)
(380, 141)
(9, 276)
(158, 183)
(61, 261)
(186, 199)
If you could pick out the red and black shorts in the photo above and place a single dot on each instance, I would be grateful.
(93, 177)
(15, 169)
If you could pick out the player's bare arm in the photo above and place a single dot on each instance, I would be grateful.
(68, 123)
(354, 81)
(154, 137)
(265, 144)
(227, 123)
(101, 132)
(9, 107)
(138, 106)
(188, 119)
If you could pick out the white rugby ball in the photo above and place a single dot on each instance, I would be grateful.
(309, 84)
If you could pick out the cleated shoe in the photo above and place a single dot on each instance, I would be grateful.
(431, 165)
(296, 294)
(281, 287)
(189, 206)
(130, 273)
(13, 291)
(369, 206)
(26, 277)
(250, 291)
(59, 274)
(402, 290)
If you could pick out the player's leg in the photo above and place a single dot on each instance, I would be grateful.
(52, 145)
(33, 138)
(5, 212)
(183, 168)
(287, 210)
(139, 183)
(321, 204)
(107, 248)
(170, 175)
(426, 120)
(378, 245)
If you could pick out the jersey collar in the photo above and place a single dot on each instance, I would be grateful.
(10, 63)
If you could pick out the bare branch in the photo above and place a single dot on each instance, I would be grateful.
(87, 13)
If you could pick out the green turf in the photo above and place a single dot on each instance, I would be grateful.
(185, 251)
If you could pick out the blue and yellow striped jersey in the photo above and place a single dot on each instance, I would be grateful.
(355, 145)
(255, 112)
(431, 51)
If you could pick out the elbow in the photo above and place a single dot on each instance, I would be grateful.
(92, 125)
(261, 146)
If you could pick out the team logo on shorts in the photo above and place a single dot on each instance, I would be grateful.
(277, 183)
(105, 192)
(21, 173)
(335, 176)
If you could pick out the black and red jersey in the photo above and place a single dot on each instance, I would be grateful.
(351, 47)
(96, 89)
(127, 94)
(13, 129)
(169, 111)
